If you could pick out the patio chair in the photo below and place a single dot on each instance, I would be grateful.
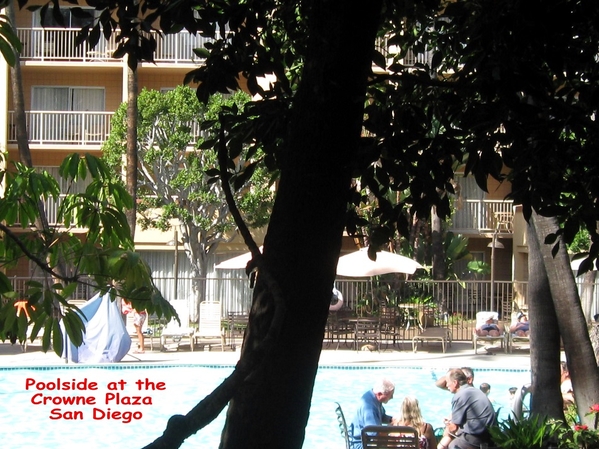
(367, 331)
(512, 337)
(342, 425)
(389, 437)
(338, 328)
(237, 322)
(210, 331)
(175, 331)
(481, 319)
(390, 327)
(441, 334)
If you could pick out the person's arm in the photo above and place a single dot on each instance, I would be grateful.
(429, 433)
(441, 383)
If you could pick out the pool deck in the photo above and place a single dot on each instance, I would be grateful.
(431, 355)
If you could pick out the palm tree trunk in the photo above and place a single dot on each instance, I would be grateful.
(544, 335)
(131, 169)
(572, 323)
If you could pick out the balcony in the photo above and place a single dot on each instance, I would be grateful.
(72, 128)
(58, 44)
(480, 216)
(63, 127)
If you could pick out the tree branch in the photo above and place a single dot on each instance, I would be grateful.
(40, 263)
(180, 427)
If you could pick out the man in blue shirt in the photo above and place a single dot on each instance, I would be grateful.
(371, 411)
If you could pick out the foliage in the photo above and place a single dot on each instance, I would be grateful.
(176, 142)
(579, 436)
(580, 243)
(456, 249)
(479, 267)
(104, 256)
(531, 433)
(9, 42)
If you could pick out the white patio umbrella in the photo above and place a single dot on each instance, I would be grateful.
(358, 264)
(236, 263)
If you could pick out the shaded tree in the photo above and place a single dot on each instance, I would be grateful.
(175, 162)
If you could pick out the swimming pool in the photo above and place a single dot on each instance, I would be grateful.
(28, 423)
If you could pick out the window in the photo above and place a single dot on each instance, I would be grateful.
(70, 20)
(59, 98)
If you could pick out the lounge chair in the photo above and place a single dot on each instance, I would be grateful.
(481, 319)
(441, 334)
(175, 331)
(512, 337)
(342, 425)
(210, 331)
(237, 323)
(397, 437)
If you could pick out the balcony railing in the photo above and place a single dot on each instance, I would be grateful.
(483, 216)
(57, 44)
(63, 127)
(72, 127)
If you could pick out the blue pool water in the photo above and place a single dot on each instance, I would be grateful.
(26, 423)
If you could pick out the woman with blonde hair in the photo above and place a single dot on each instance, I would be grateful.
(412, 416)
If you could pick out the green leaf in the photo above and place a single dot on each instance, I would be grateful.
(57, 338)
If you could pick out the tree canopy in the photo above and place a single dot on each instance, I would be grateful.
(177, 166)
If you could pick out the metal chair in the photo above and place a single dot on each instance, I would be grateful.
(342, 425)
(389, 437)
(390, 328)
(368, 332)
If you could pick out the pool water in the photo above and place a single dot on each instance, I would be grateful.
(162, 391)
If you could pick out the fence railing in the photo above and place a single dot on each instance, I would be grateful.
(454, 304)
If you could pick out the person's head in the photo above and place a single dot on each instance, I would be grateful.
(383, 390)
(485, 388)
(490, 319)
(512, 391)
(410, 412)
(468, 373)
(522, 317)
(455, 379)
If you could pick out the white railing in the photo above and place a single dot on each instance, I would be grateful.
(63, 127)
(58, 44)
(483, 215)
(74, 127)
(410, 59)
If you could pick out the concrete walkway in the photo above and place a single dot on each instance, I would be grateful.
(459, 354)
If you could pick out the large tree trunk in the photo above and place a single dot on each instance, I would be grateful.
(304, 236)
(544, 335)
(571, 320)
